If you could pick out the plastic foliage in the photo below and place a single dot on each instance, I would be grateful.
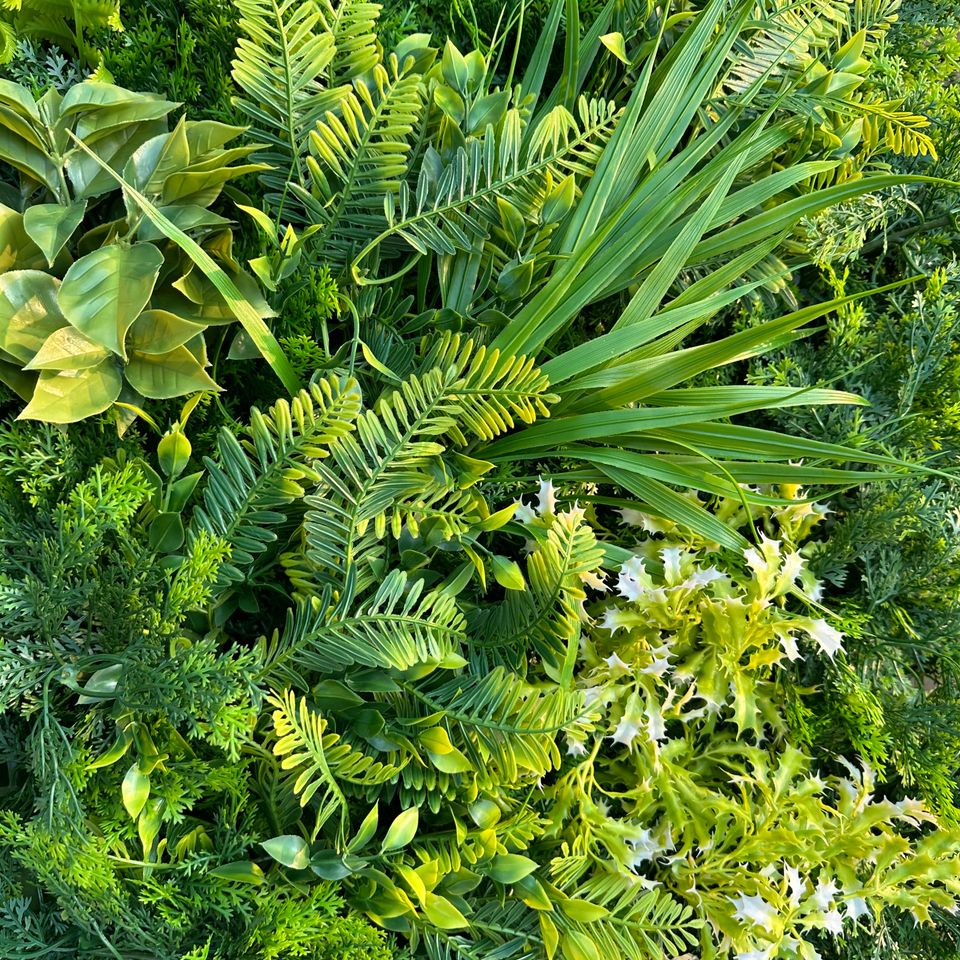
(96, 305)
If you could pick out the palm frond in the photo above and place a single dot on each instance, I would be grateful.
(456, 205)
(637, 926)
(508, 727)
(319, 759)
(391, 475)
(280, 63)
(352, 26)
(546, 617)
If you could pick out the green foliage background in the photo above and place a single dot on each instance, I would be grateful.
(588, 601)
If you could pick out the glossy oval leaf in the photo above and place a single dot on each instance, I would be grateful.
(29, 312)
(166, 375)
(105, 291)
(367, 829)
(51, 225)
(402, 830)
(66, 396)
(578, 946)
(507, 573)
(443, 914)
(68, 349)
(159, 331)
(135, 790)
(17, 250)
(243, 871)
(290, 850)
(511, 867)
(166, 533)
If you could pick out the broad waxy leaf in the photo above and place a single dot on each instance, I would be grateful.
(164, 375)
(239, 306)
(29, 312)
(292, 851)
(104, 292)
(67, 349)
(242, 871)
(401, 831)
(66, 396)
(17, 250)
(443, 914)
(135, 790)
(50, 225)
(511, 867)
(159, 331)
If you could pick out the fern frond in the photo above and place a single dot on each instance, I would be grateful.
(399, 627)
(455, 205)
(509, 727)
(279, 65)
(505, 931)
(352, 25)
(302, 744)
(319, 760)
(637, 927)
(547, 616)
(390, 473)
(360, 157)
(491, 390)
(249, 482)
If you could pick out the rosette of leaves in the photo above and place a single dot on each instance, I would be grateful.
(96, 304)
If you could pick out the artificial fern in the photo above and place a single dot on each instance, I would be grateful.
(280, 62)
(249, 482)
(392, 473)
(399, 627)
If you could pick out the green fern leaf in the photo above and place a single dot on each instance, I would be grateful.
(318, 759)
(508, 727)
(400, 627)
(360, 157)
(251, 481)
(455, 205)
(390, 473)
(280, 63)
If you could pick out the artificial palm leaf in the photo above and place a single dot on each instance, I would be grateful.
(352, 27)
(280, 62)
(392, 474)
(319, 759)
(359, 157)
(544, 618)
(635, 927)
(457, 204)
(505, 726)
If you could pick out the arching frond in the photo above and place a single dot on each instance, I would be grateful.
(352, 26)
(280, 61)
(455, 205)
(508, 727)
(399, 627)
(360, 157)
(639, 926)
(546, 617)
(390, 474)
(250, 481)
(319, 759)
